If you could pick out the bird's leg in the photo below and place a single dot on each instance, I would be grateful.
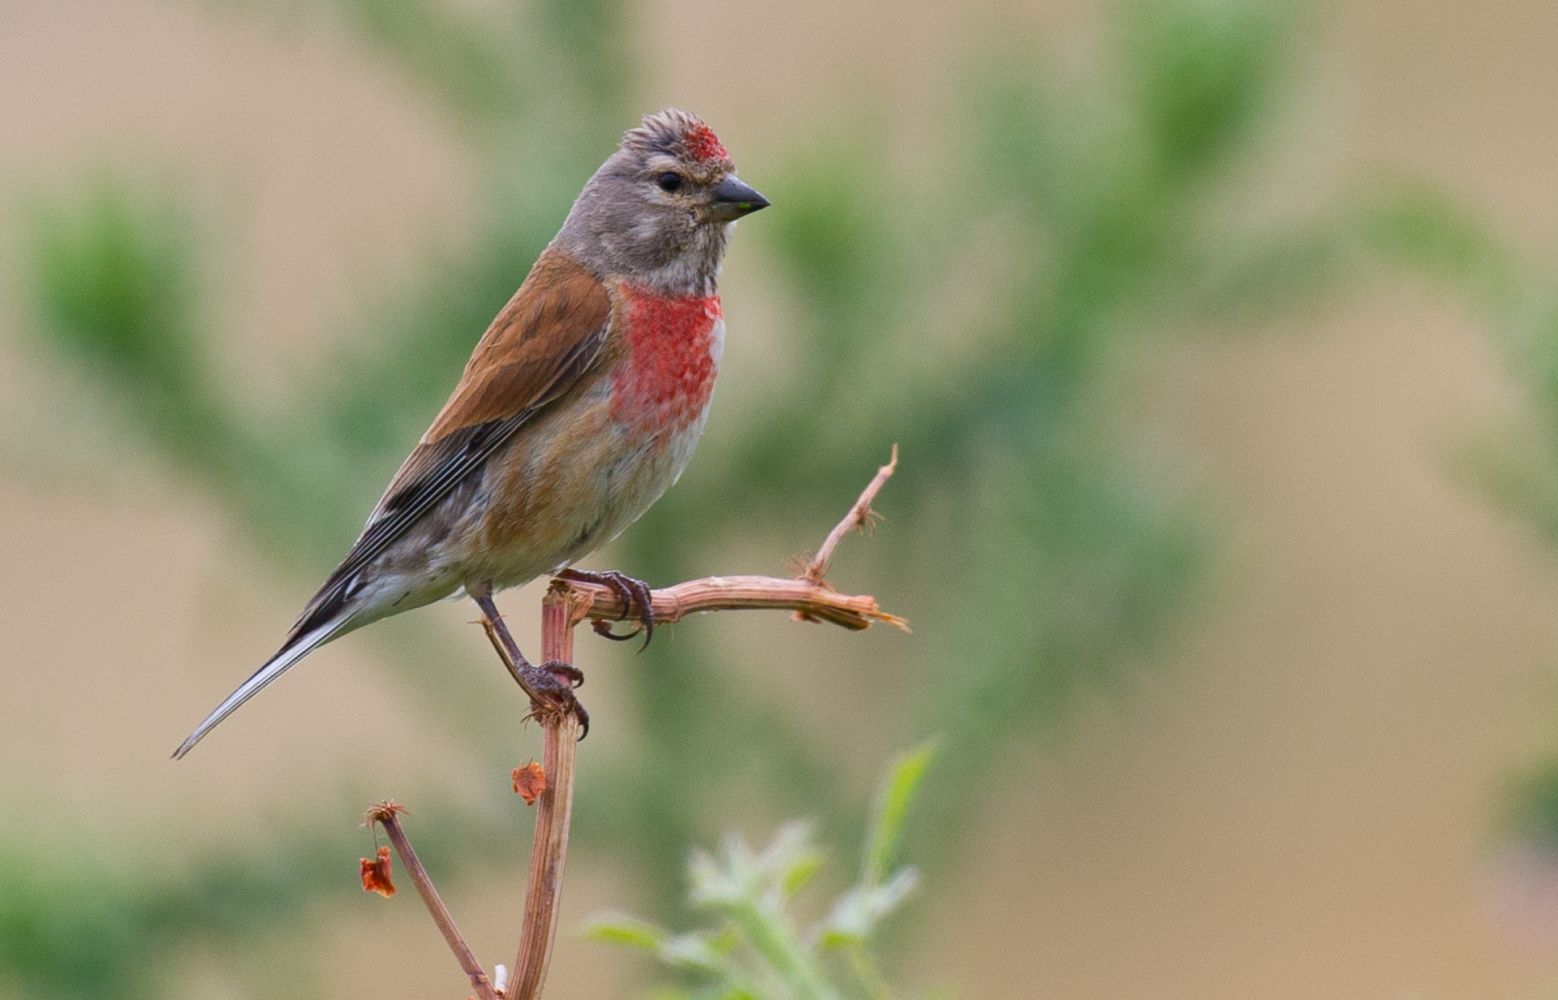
(634, 594)
(564, 671)
(551, 683)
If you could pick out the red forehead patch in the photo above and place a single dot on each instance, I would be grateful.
(703, 145)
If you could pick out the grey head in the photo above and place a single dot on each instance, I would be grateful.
(659, 211)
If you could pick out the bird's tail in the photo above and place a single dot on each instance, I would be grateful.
(296, 647)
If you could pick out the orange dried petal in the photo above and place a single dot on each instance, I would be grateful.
(376, 874)
(529, 782)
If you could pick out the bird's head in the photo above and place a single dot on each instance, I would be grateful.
(659, 210)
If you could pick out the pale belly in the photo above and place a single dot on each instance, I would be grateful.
(579, 499)
(633, 483)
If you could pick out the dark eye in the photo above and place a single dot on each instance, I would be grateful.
(669, 181)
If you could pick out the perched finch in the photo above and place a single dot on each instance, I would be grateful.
(579, 407)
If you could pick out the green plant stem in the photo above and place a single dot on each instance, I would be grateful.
(776, 942)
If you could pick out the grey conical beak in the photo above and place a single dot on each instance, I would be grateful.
(733, 199)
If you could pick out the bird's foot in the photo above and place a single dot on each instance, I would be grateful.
(551, 686)
(635, 595)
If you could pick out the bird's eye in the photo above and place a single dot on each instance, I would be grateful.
(669, 181)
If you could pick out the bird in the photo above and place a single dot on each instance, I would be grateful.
(579, 407)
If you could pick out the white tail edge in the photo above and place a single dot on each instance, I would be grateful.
(273, 668)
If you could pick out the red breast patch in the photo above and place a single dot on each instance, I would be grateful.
(667, 379)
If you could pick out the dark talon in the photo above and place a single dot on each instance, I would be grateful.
(636, 597)
(603, 629)
(551, 681)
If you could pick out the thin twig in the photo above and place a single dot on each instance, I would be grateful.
(386, 814)
(860, 516)
(560, 612)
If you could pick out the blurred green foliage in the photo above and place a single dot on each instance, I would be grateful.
(1532, 810)
(979, 316)
(757, 948)
(116, 272)
(81, 923)
(1514, 463)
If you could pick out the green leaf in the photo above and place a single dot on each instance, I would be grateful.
(892, 807)
(799, 872)
(629, 931)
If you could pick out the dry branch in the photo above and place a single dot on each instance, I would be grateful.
(386, 814)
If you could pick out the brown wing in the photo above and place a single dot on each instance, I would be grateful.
(550, 333)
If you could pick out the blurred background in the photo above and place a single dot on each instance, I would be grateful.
(1220, 341)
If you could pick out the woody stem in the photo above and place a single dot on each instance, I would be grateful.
(560, 612)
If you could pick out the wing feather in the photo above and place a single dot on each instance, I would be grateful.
(548, 335)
